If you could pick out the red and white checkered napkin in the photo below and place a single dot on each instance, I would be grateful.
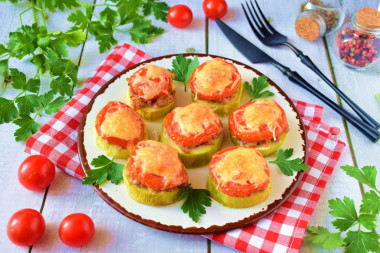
(281, 231)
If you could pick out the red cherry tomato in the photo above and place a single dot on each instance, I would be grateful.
(180, 16)
(36, 172)
(26, 227)
(76, 230)
(214, 9)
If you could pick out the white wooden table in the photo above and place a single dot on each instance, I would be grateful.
(114, 232)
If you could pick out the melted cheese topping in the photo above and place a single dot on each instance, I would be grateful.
(242, 166)
(123, 124)
(159, 159)
(195, 118)
(261, 112)
(214, 77)
(154, 83)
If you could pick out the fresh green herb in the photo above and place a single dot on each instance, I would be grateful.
(48, 51)
(196, 200)
(256, 89)
(183, 67)
(349, 221)
(105, 169)
(377, 95)
(289, 166)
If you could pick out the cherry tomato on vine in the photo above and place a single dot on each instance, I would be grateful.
(214, 9)
(26, 227)
(180, 16)
(36, 172)
(76, 229)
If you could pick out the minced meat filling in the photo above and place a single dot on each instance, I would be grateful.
(188, 149)
(222, 101)
(253, 144)
(139, 184)
(139, 102)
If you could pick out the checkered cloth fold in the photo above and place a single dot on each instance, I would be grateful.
(281, 231)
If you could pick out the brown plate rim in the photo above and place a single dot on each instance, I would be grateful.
(179, 229)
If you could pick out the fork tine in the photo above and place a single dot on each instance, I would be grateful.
(258, 34)
(269, 27)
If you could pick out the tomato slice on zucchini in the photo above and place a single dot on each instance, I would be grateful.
(192, 125)
(151, 81)
(258, 120)
(118, 124)
(156, 165)
(214, 80)
(239, 171)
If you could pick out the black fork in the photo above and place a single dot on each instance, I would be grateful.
(270, 37)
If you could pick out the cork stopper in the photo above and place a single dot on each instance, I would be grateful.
(307, 28)
(368, 17)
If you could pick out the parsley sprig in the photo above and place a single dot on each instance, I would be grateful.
(48, 51)
(288, 167)
(195, 203)
(106, 169)
(183, 67)
(357, 229)
(256, 89)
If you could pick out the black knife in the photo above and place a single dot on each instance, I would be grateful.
(255, 55)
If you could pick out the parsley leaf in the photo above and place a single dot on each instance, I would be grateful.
(367, 220)
(33, 85)
(55, 105)
(142, 31)
(105, 169)
(370, 203)
(183, 67)
(27, 103)
(343, 209)
(365, 175)
(325, 237)
(160, 9)
(27, 127)
(18, 79)
(256, 88)
(288, 167)
(8, 110)
(196, 200)
(362, 242)
(53, 5)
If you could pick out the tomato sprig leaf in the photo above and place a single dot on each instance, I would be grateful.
(195, 203)
(288, 167)
(183, 67)
(106, 169)
(349, 221)
(256, 89)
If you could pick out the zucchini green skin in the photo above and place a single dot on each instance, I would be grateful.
(146, 196)
(222, 110)
(199, 156)
(112, 150)
(265, 150)
(237, 202)
(152, 113)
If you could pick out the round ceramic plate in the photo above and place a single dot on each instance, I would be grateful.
(171, 218)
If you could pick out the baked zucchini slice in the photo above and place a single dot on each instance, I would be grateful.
(112, 150)
(150, 197)
(199, 156)
(152, 113)
(237, 202)
(265, 150)
(220, 109)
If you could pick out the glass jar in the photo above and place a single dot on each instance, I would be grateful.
(358, 42)
(318, 18)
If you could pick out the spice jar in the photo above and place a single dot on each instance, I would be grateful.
(358, 43)
(318, 18)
